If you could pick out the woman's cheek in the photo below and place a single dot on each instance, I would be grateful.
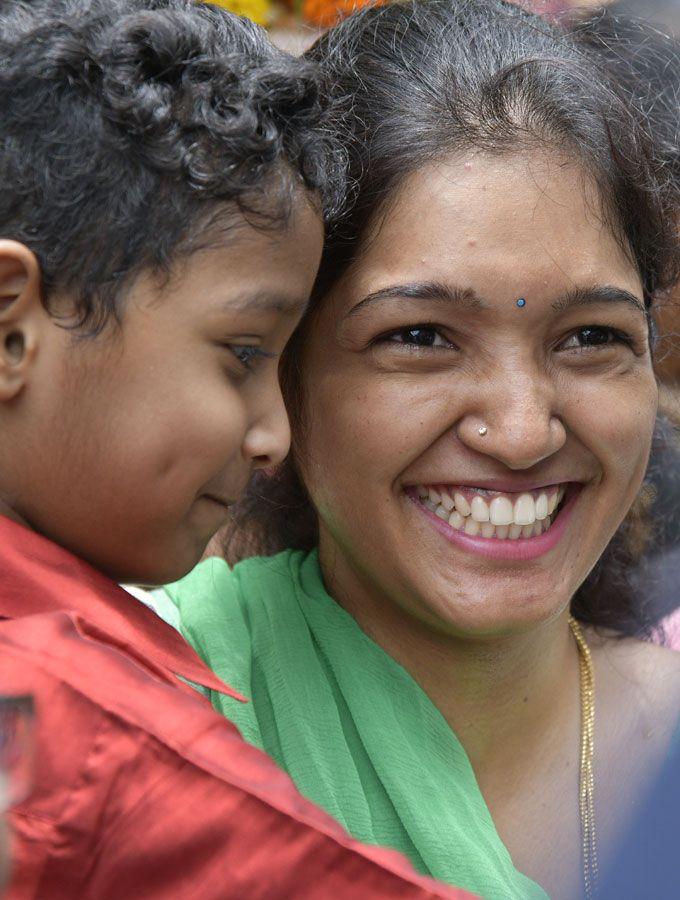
(385, 417)
(613, 409)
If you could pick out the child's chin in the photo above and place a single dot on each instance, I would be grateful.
(170, 567)
(171, 571)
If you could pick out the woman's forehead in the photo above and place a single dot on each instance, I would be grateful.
(495, 224)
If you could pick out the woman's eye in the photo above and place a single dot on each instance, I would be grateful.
(418, 336)
(594, 336)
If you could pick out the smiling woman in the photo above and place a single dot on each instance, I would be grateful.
(428, 363)
(460, 463)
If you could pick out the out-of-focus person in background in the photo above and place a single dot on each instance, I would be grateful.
(646, 865)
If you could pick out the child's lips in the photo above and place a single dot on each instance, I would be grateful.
(221, 501)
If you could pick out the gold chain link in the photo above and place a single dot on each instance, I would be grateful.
(587, 778)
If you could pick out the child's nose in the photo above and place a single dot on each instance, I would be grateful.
(267, 440)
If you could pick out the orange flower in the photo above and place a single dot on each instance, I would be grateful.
(324, 13)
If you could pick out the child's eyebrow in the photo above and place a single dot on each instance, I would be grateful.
(265, 301)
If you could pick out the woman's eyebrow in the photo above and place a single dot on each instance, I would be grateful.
(423, 290)
(589, 296)
(466, 297)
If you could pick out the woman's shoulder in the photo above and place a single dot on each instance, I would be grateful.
(644, 661)
(642, 678)
(215, 588)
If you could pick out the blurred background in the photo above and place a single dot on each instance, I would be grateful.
(322, 13)
(296, 23)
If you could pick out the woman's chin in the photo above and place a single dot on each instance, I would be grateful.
(500, 608)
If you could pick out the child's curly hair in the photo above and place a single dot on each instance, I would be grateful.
(133, 130)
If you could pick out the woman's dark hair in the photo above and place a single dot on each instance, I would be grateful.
(415, 82)
(133, 130)
(643, 57)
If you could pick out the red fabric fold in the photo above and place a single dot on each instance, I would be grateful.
(140, 788)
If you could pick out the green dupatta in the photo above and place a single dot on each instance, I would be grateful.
(352, 728)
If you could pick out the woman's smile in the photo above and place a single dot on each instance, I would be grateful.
(512, 525)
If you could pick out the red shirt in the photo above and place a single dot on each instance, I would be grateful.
(141, 790)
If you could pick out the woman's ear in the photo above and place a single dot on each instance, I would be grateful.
(21, 311)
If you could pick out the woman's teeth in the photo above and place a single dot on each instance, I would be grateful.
(494, 515)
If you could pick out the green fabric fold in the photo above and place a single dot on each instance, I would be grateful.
(352, 728)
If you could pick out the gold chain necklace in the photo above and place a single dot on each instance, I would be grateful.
(587, 779)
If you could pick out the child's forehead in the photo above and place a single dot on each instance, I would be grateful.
(250, 271)
(270, 223)
(262, 301)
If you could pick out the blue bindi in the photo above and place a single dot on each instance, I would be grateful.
(521, 302)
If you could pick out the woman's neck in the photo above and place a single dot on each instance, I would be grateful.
(503, 697)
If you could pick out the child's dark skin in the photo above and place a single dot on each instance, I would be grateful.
(127, 447)
(166, 175)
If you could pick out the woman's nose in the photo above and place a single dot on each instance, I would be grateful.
(517, 424)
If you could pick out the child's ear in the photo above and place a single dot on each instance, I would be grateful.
(21, 311)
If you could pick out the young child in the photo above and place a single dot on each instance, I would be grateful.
(163, 174)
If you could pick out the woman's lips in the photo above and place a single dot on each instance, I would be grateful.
(499, 526)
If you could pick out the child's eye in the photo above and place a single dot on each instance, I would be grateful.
(593, 336)
(417, 336)
(249, 355)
